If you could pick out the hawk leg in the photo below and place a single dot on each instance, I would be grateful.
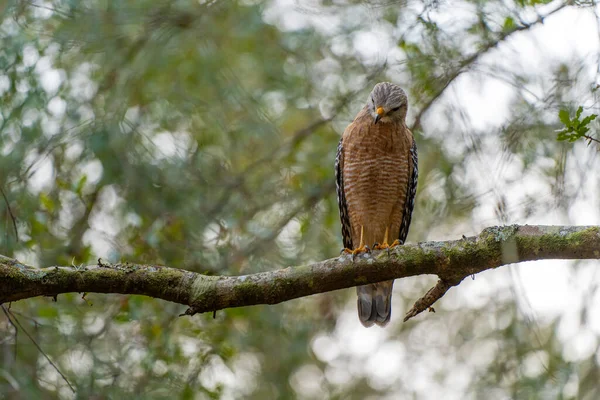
(361, 248)
(385, 244)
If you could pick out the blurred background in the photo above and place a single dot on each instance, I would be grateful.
(202, 135)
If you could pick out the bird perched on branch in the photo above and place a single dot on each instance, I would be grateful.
(376, 179)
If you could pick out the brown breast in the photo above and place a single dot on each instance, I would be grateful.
(376, 177)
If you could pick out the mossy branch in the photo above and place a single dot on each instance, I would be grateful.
(451, 261)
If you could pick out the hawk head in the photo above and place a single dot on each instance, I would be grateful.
(387, 103)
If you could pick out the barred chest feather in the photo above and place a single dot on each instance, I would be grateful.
(376, 178)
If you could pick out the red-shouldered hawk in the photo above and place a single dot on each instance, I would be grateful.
(376, 178)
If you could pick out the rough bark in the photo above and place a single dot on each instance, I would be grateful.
(451, 261)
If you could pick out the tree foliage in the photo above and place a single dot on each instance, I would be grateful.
(201, 135)
(574, 127)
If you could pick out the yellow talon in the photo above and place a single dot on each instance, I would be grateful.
(361, 247)
(385, 244)
(395, 243)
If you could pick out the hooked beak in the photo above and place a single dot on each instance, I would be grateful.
(380, 111)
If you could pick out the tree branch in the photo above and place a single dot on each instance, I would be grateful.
(466, 63)
(452, 261)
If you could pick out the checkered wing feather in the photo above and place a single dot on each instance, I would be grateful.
(411, 193)
(341, 197)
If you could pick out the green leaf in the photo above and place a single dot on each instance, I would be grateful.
(563, 115)
(574, 128)
(509, 24)
(80, 185)
(562, 135)
(47, 312)
(588, 119)
(47, 202)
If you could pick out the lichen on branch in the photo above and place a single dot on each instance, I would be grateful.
(451, 261)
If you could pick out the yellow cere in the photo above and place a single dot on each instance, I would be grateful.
(380, 111)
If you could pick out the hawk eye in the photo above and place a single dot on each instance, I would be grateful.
(395, 109)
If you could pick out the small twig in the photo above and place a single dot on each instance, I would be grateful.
(27, 317)
(467, 62)
(10, 317)
(425, 302)
(14, 326)
(591, 139)
(12, 216)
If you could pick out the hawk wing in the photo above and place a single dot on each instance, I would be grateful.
(409, 203)
(341, 196)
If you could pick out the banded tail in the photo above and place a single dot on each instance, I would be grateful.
(375, 303)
